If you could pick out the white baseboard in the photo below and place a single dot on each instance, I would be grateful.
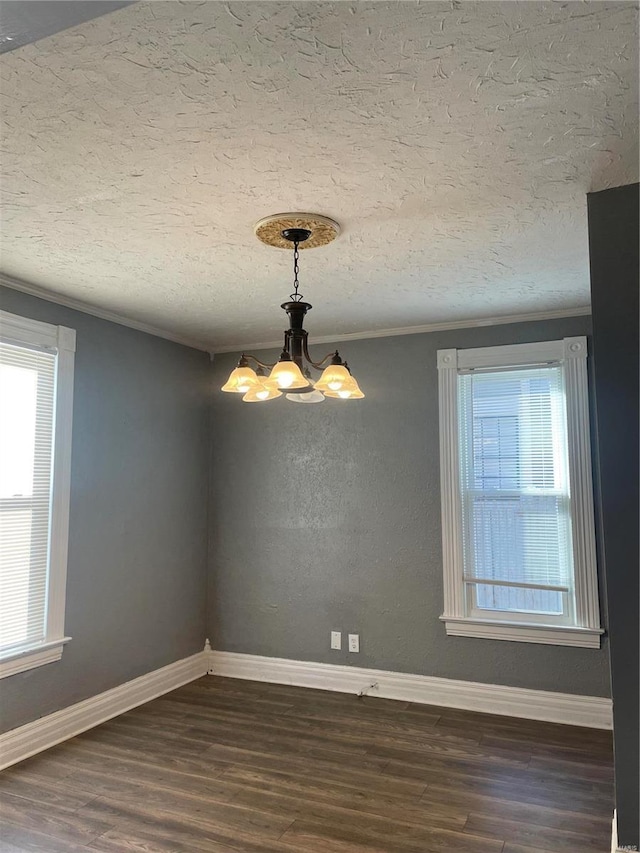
(34, 737)
(614, 836)
(567, 708)
(27, 740)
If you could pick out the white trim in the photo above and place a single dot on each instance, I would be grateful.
(94, 311)
(591, 711)
(614, 836)
(102, 314)
(27, 740)
(581, 480)
(552, 635)
(450, 499)
(14, 662)
(60, 485)
(451, 325)
(511, 355)
(571, 353)
(23, 330)
(61, 340)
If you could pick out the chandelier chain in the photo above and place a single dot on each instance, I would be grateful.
(295, 296)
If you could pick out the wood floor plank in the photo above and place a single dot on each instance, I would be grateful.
(396, 819)
(322, 836)
(448, 754)
(61, 824)
(245, 730)
(141, 742)
(60, 792)
(405, 809)
(281, 733)
(171, 834)
(572, 768)
(272, 736)
(498, 771)
(128, 839)
(145, 784)
(518, 848)
(227, 766)
(211, 814)
(531, 730)
(326, 728)
(324, 769)
(355, 710)
(86, 753)
(174, 838)
(132, 840)
(543, 837)
(489, 803)
(300, 696)
(330, 760)
(505, 788)
(19, 839)
(587, 750)
(215, 700)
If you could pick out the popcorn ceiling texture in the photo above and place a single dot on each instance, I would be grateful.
(454, 143)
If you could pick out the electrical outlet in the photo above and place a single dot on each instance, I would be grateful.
(336, 640)
(354, 642)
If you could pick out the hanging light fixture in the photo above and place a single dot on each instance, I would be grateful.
(291, 373)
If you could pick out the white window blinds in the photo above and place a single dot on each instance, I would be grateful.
(518, 543)
(514, 487)
(27, 391)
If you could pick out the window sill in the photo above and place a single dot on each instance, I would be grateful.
(14, 662)
(553, 635)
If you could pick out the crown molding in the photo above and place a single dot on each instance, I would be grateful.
(101, 313)
(559, 314)
(94, 311)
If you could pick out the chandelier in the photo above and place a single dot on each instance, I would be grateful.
(259, 381)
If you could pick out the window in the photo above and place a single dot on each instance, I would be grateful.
(517, 502)
(36, 398)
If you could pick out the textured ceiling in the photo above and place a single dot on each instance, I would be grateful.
(454, 142)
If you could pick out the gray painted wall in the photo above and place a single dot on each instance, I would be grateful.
(328, 517)
(613, 249)
(24, 23)
(138, 517)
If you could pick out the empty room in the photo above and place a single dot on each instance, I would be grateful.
(400, 616)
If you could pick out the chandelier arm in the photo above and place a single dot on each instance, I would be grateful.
(317, 364)
(260, 363)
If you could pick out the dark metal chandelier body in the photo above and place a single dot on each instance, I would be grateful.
(291, 373)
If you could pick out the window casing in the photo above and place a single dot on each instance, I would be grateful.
(517, 499)
(36, 384)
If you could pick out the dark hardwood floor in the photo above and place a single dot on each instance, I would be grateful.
(223, 765)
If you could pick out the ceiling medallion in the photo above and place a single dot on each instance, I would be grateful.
(291, 373)
(322, 230)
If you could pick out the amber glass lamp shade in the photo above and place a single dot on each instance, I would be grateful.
(285, 375)
(352, 392)
(335, 378)
(241, 380)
